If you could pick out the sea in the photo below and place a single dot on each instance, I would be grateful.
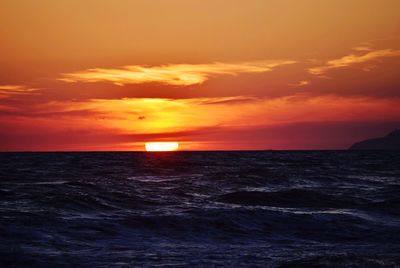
(200, 209)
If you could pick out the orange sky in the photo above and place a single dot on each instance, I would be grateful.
(213, 75)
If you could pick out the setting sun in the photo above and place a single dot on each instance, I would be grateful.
(161, 146)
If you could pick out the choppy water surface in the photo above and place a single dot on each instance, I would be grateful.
(200, 209)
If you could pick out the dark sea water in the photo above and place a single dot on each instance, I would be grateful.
(200, 209)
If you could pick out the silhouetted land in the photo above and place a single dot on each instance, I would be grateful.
(388, 142)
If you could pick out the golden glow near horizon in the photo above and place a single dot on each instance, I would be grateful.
(161, 146)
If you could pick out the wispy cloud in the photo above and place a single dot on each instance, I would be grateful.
(172, 74)
(101, 122)
(228, 100)
(362, 48)
(11, 90)
(166, 115)
(353, 59)
(300, 83)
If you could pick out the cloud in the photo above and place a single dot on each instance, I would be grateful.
(228, 100)
(353, 59)
(300, 83)
(171, 115)
(171, 74)
(362, 48)
(11, 90)
(230, 122)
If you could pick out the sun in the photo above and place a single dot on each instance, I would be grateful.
(161, 146)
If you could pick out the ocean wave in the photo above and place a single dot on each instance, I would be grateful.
(200, 209)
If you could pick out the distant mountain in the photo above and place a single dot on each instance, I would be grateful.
(389, 142)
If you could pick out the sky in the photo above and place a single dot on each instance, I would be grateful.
(97, 75)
